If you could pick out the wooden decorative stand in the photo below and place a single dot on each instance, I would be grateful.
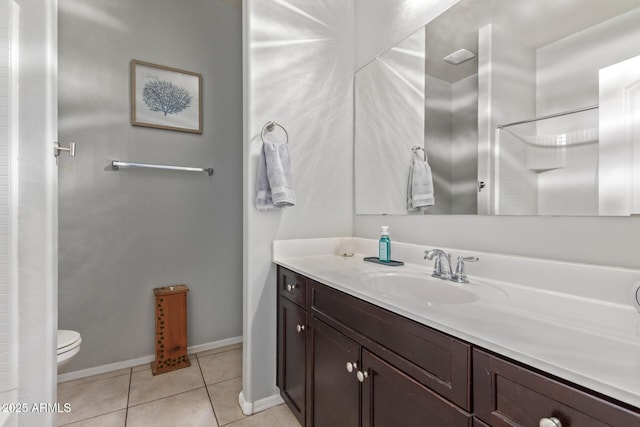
(171, 329)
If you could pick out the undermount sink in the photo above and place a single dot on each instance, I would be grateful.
(420, 287)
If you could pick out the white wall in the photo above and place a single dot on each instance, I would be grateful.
(124, 233)
(389, 120)
(567, 70)
(381, 24)
(8, 276)
(609, 241)
(508, 69)
(567, 78)
(37, 206)
(298, 60)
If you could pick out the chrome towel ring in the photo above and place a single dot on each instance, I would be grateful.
(270, 127)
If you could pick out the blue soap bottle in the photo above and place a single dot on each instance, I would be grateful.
(385, 245)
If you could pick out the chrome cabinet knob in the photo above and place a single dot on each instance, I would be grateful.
(300, 328)
(550, 422)
(362, 375)
(291, 287)
(351, 366)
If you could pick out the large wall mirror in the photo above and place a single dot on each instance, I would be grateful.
(521, 107)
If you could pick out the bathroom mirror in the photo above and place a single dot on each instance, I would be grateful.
(523, 108)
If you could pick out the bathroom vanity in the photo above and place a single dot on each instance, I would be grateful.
(344, 360)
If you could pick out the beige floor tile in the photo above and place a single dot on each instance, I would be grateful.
(191, 409)
(145, 387)
(222, 366)
(279, 416)
(224, 396)
(219, 350)
(142, 367)
(113, 419)
(91, 399)
(98, 377)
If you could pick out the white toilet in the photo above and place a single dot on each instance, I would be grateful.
(68, 346)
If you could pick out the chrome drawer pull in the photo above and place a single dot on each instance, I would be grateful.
(300, 328)
(550, 422)
(351, 366)
(291, 287)
(364, 375)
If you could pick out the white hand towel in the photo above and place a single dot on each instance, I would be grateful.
(420, 186)
(274, 186)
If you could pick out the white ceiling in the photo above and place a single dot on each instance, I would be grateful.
(535, 23)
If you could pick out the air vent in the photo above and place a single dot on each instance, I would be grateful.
(459, 56)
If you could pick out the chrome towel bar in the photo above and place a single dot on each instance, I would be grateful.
(115, 164)
(550, 116)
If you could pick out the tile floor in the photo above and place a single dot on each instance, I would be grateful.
(205, 394)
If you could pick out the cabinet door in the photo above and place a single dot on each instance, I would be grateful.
(390, 398)
(434, 359)
(292, 331)
(334, 392)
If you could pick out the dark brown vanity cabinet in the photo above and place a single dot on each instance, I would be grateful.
(509, 395)
(343, 362)
(366, 366)
(349, 386)
(392, 398)
(292, 342)
(334, 392)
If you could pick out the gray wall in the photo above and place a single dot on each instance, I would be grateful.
(464, 132)
(437, 141)
(124, 233)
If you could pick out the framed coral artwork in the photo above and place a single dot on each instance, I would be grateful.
(165, 98)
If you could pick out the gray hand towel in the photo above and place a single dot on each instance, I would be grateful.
(274, 186)
(420, 185)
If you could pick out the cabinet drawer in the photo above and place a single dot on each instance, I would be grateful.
(292, 286)
(506, 394)
(434, 359)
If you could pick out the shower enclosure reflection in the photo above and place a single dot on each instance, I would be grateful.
(539, 104)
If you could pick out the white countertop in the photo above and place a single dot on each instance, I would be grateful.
(590, 342)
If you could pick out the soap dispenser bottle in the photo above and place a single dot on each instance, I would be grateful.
(385, 245)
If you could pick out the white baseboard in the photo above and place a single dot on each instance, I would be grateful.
(266, 403)
(214, 344)
(246, 406)
(82, 373)
(250, 408)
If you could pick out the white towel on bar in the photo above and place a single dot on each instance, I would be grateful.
(420, 186)
(274, 186)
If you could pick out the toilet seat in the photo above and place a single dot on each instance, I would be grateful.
(67, 341)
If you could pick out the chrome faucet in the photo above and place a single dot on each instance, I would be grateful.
(445, 272)
(460, 275)
(438, 270)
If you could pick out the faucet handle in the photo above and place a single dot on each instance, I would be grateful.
(439, 270)
(460, 275)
